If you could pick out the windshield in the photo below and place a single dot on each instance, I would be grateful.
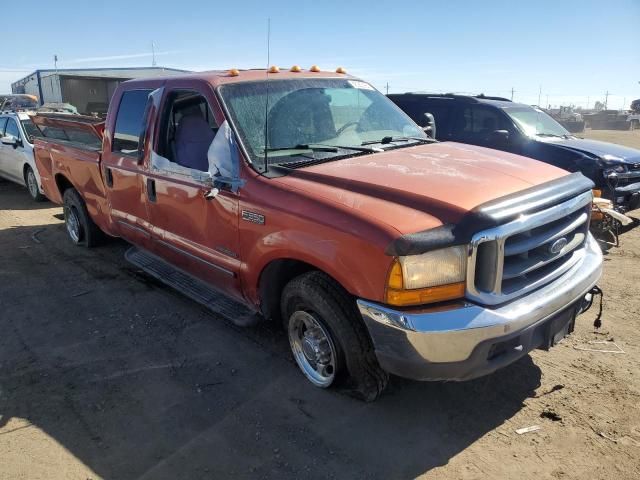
(30, 129)
(534, 121)
(306, 112)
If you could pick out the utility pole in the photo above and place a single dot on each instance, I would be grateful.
(539, 94)
(606, 99)
(55, 62)
(153, 54)
(387, 88)
(512, 92)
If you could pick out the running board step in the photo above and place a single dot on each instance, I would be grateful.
(193, 288)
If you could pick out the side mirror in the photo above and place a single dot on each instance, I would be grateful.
(10, 140)
(429, 125)
(500, 137)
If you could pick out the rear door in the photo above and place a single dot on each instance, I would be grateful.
(122, 166)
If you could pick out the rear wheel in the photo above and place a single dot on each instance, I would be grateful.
(80, 227)
(328, 339)
(32, 185)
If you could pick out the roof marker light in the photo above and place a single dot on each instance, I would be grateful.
(234, 72)
(296, 69)
(274, 69)
(314, 68)
(341, 70)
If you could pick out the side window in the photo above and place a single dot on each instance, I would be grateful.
(129, 121)
(187, 130)
(477, 122)
(3, 123)
(12, 128)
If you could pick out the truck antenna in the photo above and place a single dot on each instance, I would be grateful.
(266, 103)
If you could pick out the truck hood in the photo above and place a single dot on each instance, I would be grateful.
(595, 147)
(417, 188)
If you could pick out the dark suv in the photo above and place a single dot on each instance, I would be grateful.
(498, 123)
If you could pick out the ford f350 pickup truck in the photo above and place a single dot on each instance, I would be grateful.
(309, 198)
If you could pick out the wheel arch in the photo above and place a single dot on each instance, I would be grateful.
(275, 276)
(63, 183)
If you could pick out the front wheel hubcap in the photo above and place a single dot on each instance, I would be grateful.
(32, 185)
(73, 223)
(312, 348)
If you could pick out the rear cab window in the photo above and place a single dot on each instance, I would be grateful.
(129, 121)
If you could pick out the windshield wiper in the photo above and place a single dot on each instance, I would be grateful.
(324, 147)
(388, 139)
(544, 134)
(300, 146)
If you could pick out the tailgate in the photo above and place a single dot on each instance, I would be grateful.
(80, 130)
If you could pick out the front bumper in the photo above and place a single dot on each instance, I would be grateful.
(628, 196)
(464, 340)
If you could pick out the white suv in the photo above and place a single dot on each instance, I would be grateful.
(17, 162)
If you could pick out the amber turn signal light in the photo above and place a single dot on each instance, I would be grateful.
(341, 70)
(234, 72)
(296, 69)
(422, 296)
(314, 68)
(274, 69)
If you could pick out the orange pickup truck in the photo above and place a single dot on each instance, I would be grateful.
(309, 198)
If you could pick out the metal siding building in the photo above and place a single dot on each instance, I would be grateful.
(89, 90)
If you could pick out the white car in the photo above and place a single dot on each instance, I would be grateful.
(17, 162)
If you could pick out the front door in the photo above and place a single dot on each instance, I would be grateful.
(14, 157)
(195, 231)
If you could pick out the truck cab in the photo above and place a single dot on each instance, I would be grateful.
(309, 199)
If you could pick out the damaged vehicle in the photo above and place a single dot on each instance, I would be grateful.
(501, 124)
(309, 199)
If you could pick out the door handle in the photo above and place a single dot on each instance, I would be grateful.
(108, 177)
(151, 189)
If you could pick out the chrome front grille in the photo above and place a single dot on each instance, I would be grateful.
(512, 259)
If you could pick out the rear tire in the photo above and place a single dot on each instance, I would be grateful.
(80, 227)
(32, 185)
(328, 339)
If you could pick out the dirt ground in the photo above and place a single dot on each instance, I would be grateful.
(104, 373)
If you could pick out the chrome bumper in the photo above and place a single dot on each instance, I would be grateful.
(444, 342)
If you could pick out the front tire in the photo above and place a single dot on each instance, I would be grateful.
(328, 339)
(80, 227)
(32, 185)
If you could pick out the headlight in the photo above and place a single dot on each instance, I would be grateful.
(430, 277)
(615, 169)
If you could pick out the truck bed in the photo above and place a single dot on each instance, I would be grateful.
(69, 152)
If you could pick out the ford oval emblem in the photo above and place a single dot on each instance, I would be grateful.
(557, 246)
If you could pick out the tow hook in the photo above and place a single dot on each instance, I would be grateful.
(587, 302)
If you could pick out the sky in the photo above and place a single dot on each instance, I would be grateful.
(547, 52)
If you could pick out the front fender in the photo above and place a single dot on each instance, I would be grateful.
(357, 264)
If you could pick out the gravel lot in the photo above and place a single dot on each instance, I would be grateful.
(104, 373)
